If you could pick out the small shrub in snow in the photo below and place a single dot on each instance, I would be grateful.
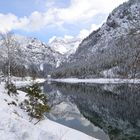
(37, 105)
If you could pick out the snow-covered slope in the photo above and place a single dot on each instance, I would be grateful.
(37, 52)
(66, 45)
(15, 124)
(31, 54)
(113, 47)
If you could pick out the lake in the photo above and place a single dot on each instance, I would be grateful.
(104, 111)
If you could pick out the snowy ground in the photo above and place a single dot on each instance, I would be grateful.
(98, 80)
(19, 82)
(15, 124)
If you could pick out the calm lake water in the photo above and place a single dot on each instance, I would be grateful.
(104, 111)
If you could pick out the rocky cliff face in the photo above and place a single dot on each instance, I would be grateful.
(111, 51)
(31, 55)
(65, 46)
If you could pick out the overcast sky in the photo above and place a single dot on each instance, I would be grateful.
(44, 19)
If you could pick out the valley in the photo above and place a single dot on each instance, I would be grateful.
(61, 79)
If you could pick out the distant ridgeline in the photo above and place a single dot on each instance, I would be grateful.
(28, 57)
(31, 57)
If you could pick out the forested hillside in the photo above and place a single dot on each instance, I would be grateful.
(111, 51)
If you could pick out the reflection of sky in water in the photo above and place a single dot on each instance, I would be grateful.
(68, 114)
(115, 108)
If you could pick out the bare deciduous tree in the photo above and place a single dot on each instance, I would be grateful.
(8, 41)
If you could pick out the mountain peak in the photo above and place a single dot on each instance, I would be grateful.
(64, 45)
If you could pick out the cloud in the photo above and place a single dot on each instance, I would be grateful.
(82, 34)
(81, 10)
(50, 3)
(85, 32)
(68, 37)
(65, 37)
(77, 12)
(9, 22)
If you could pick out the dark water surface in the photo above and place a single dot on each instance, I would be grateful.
(104, 111)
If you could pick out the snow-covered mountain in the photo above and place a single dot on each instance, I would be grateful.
(66, 46)
(38, 52)
(112, 50)
(32, 54)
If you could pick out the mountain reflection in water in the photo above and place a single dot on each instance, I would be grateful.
(115, 109)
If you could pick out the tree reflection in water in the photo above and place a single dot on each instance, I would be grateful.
(114, 108)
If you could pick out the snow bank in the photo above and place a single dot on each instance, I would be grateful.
(26, 82)
(98, 80)
(63, 132)
(15, 123)
(13, 127)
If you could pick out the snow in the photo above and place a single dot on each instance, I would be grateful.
(99, 80)
(63, 132)
(15, 124)
(31, 51)
(65, 46)
(15, 128)
(27, 82)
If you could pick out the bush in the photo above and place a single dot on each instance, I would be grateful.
(37, 105)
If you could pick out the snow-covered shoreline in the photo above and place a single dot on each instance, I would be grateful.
(15, 123)
(28, 83)
(98, 80)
